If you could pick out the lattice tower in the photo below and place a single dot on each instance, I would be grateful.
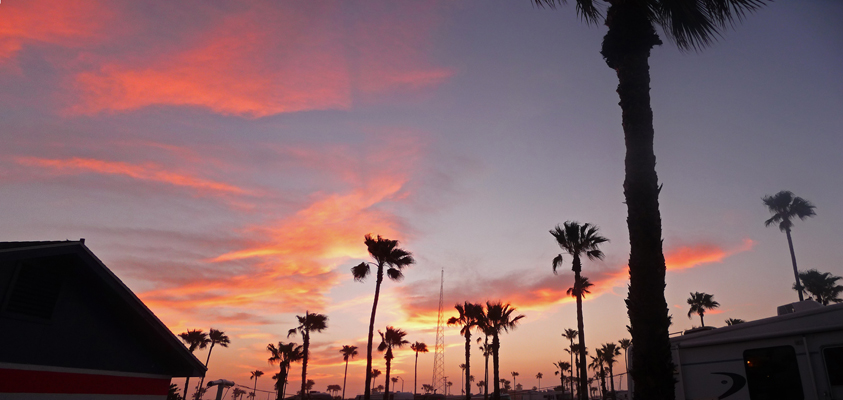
(439, 380)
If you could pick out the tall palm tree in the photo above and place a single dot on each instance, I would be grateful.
(469, 317)
(785, 206)
(418, 347)
(625, 344)
(348, 352)
(598, 365)
(571, 334)
(539, 376)
(691, 24)
(500, 319)
(821, 285)
(216, 337)
(514, 374)
(284, 355)
(255, 375)
(194, 339)
(386, 253)
(578, 240)
(700, 302)
(393, 338)
(307, 324)
(486, 348)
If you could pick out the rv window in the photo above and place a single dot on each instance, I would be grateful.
(772, 374)
(833, 357)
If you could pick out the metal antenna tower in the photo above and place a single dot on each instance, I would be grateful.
(439, 381)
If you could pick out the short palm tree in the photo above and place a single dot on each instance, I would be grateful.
(822, 286)
(216, 337)
(734, 321)
(514, 374)
(578, 240)
(348, 352)
(375, 374)
(539, 376)
(469, 317)
(610, 351)
(393, 338)
(255, 375)
(284, 354)
(307, 324)
(486, 348)
(571, 334)
(785, 207)
(499, 319)
(690, 24)
(598, 365)
(700, 302)
(418, 347)
(194, 339)
(562, 367)
(386, 253)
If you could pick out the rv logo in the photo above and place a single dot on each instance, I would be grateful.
(738, 382)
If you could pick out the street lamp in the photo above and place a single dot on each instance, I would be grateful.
(402, 382)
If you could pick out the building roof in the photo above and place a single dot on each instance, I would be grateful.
(149, 329)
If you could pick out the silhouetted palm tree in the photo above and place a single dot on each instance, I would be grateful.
(469, 317)
(418, 347)
(700, 302)
(514, 374)
(578, 240)
(571, 334)
(375, 374)
(691, 24)
(307, 324)
(284, 355)
(427, 388)
(625, 344)
(610, 351)
(499, 318)
(194, 339)
(391, 339)
(821, 285)
(486, 348)
(348, 352)
(785, 206)
(734, 321)
(386, 254)
(334, 389)
(237, 392)
(598, 365)
(255, 375)
(215, 336)
(562, 367)
(539, 376)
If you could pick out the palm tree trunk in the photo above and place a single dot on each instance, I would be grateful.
(255, 389)
(581, 367)
(793, 261)
(496, 367)
(612, 381)
(186, 380)
(702, 322)
(573, 367)
(626, 48)
(416, 373)
(386, 383)
(344, 379)
(467, 364)
(367, 393)
(486, 374)
(207, 360)
(306, 345)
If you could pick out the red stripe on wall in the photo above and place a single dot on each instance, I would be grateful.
(23, 381)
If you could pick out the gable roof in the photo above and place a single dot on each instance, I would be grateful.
(181, 361)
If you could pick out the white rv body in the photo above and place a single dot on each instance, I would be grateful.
(794, 356)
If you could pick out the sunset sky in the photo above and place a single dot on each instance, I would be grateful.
(225, 160)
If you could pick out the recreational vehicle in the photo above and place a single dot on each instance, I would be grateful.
(797, 355)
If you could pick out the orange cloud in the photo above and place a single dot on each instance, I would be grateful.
(269, 59)
(68, 23)
(145, 172)
(684, 257)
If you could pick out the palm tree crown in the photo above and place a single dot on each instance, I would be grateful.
(284, 355)
(386, 253)
(699, 303)
(821, 285)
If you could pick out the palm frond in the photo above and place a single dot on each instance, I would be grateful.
(395, 274)
(360, 271)
(557, 262)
